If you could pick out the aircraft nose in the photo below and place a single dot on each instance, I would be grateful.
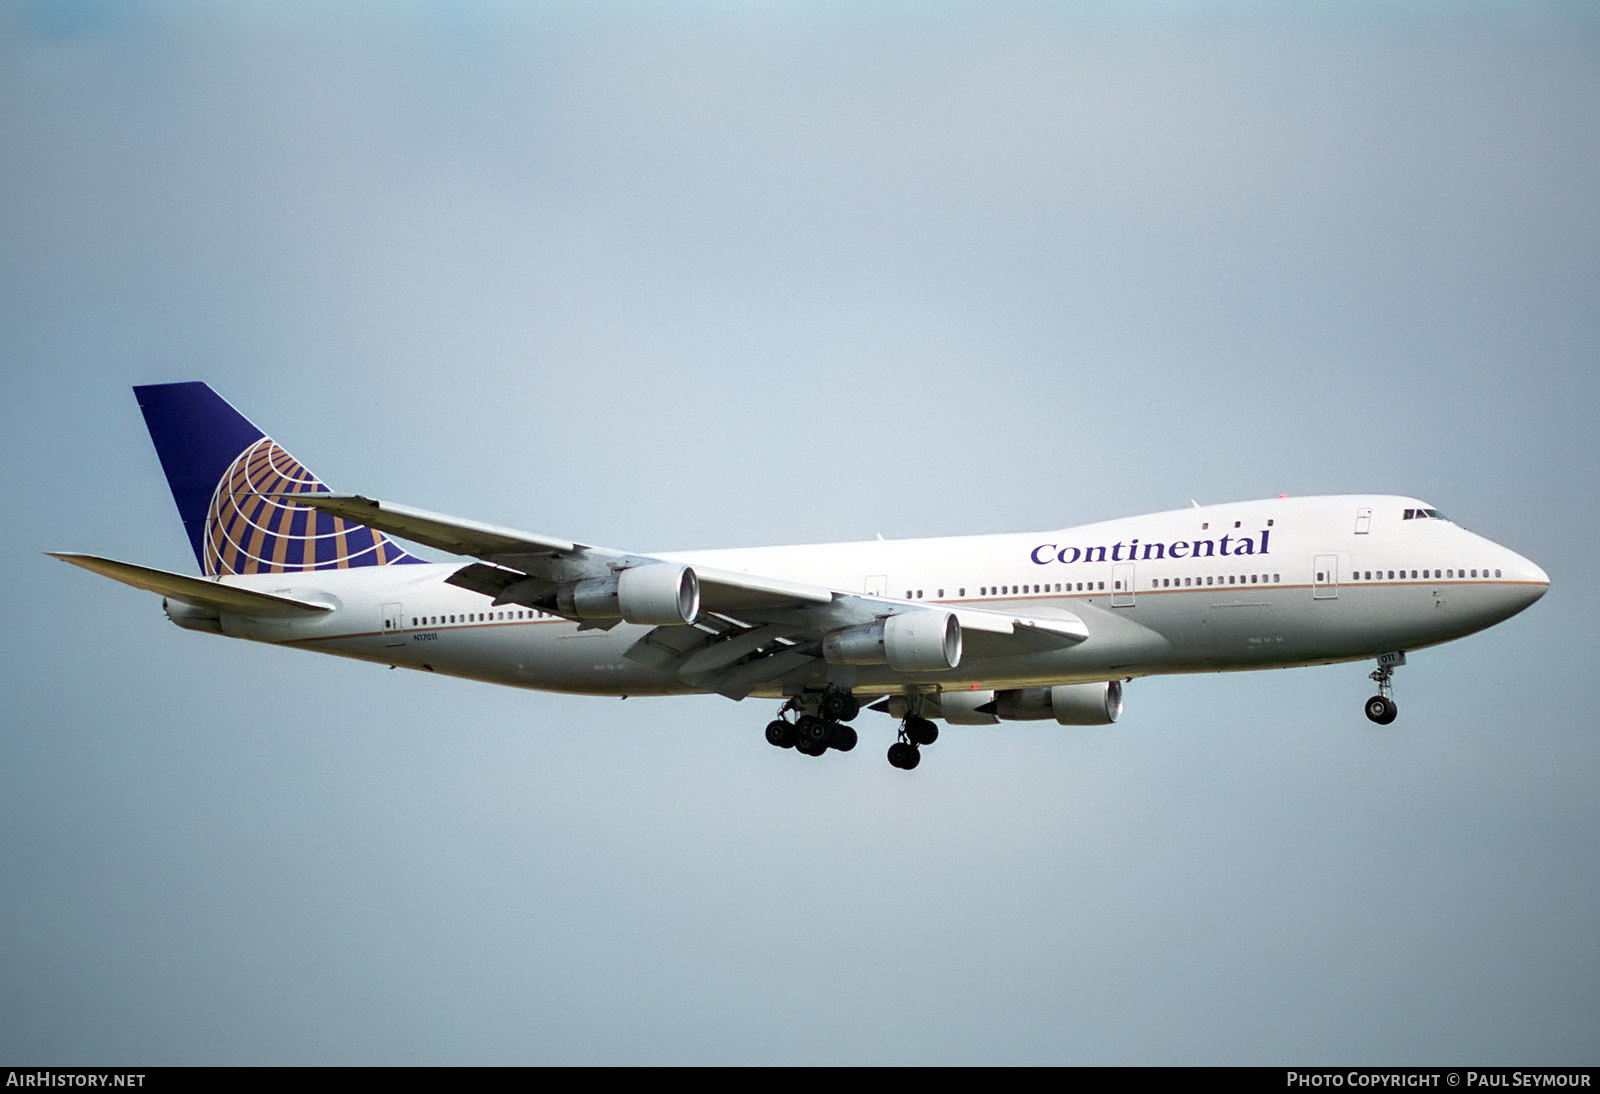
(1528, 580)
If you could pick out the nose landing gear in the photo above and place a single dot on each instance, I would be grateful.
(1381, 707)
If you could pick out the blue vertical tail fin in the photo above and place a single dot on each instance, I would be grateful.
(222, 469)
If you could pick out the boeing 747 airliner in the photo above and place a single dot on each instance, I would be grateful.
(973, 630)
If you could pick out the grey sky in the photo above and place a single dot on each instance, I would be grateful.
(702, 275)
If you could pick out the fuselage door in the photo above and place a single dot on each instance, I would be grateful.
(1325, 577)
(1363, 521)
(1122, 585)
(394, 625)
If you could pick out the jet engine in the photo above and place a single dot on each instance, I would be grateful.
(1068, 704)
(909, 642)
(968, 708)
(659, 594)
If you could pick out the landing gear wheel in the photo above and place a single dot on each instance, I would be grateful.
(810, 748)
(812, 730)
(1381, 708)
(920, 731)
(904, 756)
(839, 706)
(844, 738)
(781, 734)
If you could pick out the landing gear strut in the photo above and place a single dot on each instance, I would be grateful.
(1381, 707)
(914, 731)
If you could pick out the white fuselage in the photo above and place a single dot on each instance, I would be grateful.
(1261, 584)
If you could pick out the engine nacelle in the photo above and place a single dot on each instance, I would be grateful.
(662, 594)
(960, 708)
(1068, 704)
(909, 642)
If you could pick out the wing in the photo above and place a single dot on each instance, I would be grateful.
(720, 630)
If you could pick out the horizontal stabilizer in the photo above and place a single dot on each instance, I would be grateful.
(193, 590)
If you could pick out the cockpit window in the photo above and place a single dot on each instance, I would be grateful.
(1424, 514)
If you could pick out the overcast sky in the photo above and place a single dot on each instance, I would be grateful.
(665, 276)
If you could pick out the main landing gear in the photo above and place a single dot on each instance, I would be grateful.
(1381, 707)
(914, 731)
(816, 723)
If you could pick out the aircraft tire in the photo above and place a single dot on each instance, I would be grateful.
(813, 729)
(780, 733)
(1382, 710)
(844, 738)
(904, 756)
(921, 731)
(840, 706)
